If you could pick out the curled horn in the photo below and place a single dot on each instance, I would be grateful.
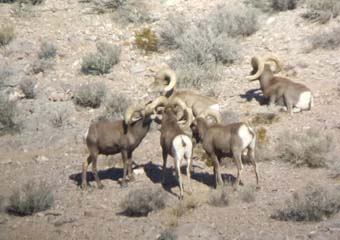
(154, 104)
(181, 104)
(170, 74)
(275, 59)
(212, 114)
(130, 111)
(258, 64)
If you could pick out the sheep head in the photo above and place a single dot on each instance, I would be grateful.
(260, 65)
(135, 113)
(165, 81)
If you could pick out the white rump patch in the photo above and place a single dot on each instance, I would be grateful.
(245, 135)
(305, 100)
(215, 107)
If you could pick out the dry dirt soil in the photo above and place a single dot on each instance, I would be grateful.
(55, 155)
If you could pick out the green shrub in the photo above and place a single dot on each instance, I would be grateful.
(90, 95)
(310, 148)
(31, 198)
(313, 203)
(321, 10)
(101, 62)
(6, 34)
(146, 40)
(141, 202)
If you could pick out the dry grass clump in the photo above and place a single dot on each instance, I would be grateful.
(313, 203)
(219, 197)
(102, 61)
(90, 95)
(47, 50)
(264, 118)
(116, 105)
(7, 34)
(247, 194)
(327, 40)
(321, 10)
(183, 207)
(309, 148)
(168, 234)
(59, 118)
(146, 40)
(27, 85)
(31, 198)
(262, 151)
(141, 202)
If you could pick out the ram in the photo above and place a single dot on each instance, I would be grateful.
(165, 83)
(294, 96)
(120, 136)
(226, 140)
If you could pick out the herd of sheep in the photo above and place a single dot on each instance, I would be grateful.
(181, 111)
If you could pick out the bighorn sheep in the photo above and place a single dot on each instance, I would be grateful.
(165, 82)
(120, 136)
(173, 140)
(222, 140)
(294, 96)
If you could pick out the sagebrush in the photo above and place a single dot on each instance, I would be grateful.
(313, 203)
(47, 50)
(321, 10)
(90, 95)
(133, 11)
(42, 65)
(31, 198)
(172, 30)
(141, 202)
(327, 40)
(116, 105)
(274, 5)
(309, 148)
(102, 61)
(8, 113)
(184, 207)
(27, 85)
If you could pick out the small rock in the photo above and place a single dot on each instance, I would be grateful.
(41, 159)
(6, 161)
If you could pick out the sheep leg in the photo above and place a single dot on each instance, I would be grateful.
(131, 176)
(289, 105)
(217, 173)
(272, 100)
(86, 163)
(251, 157)
(189, 167)
(179, 175)
(125, 163)
(237, 153)
(165, 157)
(94, 170)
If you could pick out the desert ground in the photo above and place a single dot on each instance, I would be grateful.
(50, 147)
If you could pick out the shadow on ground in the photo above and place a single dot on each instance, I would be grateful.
(254, 94)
